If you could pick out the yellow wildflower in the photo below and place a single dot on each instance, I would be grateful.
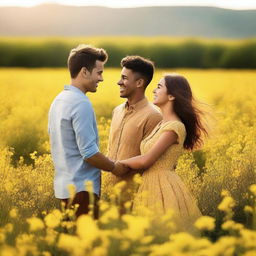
(8, 227)
(111, 214)
(248, 209)
(13, 213)
(230, 224)
(71, 244)
(103, 205)
(45, 253)
(2, 237)
(8, 251)
(250, 253)
(50, 237)
(40, 188)
(35, 224)
(248, 238)
(227, 204)
(225, 192)
(89, 186)
(136, 226)
(118, 187)
(52, 220)
(147, 239)
(33, 155)
(253, 189)
(125, 245)
(137, 179)
(205, 223)
(128, 205)
(99, 251)
(224, 246)
(87, 229)
(71, 190)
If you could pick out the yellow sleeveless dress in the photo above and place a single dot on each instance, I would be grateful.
(162, 189)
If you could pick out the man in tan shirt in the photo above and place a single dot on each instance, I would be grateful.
(134, 120)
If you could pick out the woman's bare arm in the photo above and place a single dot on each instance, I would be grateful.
(167, 139)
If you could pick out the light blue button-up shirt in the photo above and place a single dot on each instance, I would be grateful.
(74, 137)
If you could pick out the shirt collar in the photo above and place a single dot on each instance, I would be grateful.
(73, 89)
(137, 106)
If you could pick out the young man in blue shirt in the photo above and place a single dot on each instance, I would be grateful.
(73, 131)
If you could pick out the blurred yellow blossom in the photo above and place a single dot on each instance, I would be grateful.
(250, 253)
(52, 220)
(71, 190)
(33, 155)
(87, 229)
(248, 238)
(8, 227)
(110, 214)
(136, 226)
(205, 223)
(248, 209)
(99, 251)
(71, 244)
(231, 225)
(137, 178)
(35, 224)
(118, 188)
(253, 189)
(8, 251)
(13, 213)
(89, 186)
(227, 204)
(2, 237)
(225, 192)
(46, 253)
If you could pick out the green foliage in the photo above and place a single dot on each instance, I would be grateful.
(240, 56)
(48, 53)
(165, 52)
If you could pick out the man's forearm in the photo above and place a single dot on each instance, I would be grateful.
(100, 161)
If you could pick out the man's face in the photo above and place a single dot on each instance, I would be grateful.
(96, 76)
(128, 83)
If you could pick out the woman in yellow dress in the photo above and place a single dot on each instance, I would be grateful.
(181, 128)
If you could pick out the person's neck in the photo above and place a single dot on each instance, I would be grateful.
(78, 85)
(168, 113)
(133, 100)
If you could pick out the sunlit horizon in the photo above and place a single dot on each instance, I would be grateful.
(231, 4)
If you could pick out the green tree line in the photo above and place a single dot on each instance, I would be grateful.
(187, 53)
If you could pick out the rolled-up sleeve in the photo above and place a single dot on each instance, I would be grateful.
(83, 124)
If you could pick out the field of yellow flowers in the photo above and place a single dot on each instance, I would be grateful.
(222, 175)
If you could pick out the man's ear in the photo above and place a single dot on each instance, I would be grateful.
(84, 71)
(140, 82)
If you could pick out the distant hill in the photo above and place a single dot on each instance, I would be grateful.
(58, 20)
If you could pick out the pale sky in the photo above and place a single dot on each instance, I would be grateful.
(231, 4)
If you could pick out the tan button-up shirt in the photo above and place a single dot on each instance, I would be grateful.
(129, 126)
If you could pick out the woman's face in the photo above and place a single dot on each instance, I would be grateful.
(160, 94)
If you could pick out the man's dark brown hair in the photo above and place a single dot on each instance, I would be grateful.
(144, 67)
(85, 56)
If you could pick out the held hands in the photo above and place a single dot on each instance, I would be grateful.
(120, 169)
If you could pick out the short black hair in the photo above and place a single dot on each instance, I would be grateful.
(143, 66)
(85, 56)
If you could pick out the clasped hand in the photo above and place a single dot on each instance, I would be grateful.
(120, 169)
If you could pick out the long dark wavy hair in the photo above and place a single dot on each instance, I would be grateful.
(185, 107)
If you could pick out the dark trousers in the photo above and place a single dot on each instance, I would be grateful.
(83, 200)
